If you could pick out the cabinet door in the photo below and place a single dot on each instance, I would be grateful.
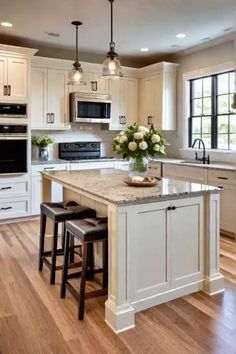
(186, 241)
(36, 199)
(116, 119)
(227, 209)
(3, 77)
(38, 98)
(58, 97)
(147, 101)
(157, 94)
(17, 77)
(129, 100)
(100, 85)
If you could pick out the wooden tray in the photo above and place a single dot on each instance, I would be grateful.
(153, 183)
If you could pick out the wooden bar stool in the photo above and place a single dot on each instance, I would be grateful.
(88, 231)
(58, 213)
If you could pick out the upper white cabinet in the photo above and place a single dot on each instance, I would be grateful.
(49, 99)
(94, 84)
(157, 96)
(13, 79)
(124, 94)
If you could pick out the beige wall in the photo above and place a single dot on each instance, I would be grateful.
(197, 60)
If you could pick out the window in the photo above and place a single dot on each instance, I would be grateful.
(211, 117)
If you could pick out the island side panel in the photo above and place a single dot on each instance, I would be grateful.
(214, 280)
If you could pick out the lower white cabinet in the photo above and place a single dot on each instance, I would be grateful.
(186, 173)
(14, 196)
(36, 185)
(92, 165)
(176, 256)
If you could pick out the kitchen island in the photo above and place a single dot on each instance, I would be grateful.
(163, 240)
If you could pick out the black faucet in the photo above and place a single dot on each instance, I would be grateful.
(204, 158)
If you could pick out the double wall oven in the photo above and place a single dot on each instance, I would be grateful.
(13, 139)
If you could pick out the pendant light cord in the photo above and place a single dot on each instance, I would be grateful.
(76, 48)
(111, 21)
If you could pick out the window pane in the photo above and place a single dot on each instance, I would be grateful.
(196, 136)
(231, 102)
(232, 82)
(207, 86)
(197, 88)
(207, 140)
(196, 125)
(223, 83)
(223, 104)
(207, 106)
(232, 124)
(206, 125)
(223, 124)
(233, 141)
(197, 107)
(223, 141)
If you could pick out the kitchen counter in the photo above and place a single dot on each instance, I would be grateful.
(48, 162)
(213, 165)
(108, 185)
(163, 240)
(60, 161)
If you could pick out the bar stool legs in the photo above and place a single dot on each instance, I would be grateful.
(41, 240)
(54, 253)
(65, 266)
(83, 281)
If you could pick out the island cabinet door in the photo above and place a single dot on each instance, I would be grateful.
(150, 256)
(186, 241)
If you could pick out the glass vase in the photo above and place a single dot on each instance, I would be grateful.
(138, 167)
(43, 153)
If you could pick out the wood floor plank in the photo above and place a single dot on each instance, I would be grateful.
(34, 320)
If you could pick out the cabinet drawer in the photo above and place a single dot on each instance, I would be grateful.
(194, 174)
(13, 208)
(37, 169)
(92, 165)
(8, 189)
(154, 170)
(221, 176)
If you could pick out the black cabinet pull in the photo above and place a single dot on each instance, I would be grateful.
(52, 118)
(9, 90)
(173, 208)
(6, 208)
(169, 208)
(225, 178)
(4, 188)
(220, 187)
(149, 120)
(48, 168)
(5, 90)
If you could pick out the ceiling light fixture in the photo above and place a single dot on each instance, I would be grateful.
(181, 35)
(144, 49)
(6, 24)
(76, 76)
(111, 66)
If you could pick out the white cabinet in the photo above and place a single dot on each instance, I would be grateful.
(174, 249)
(227, 181)
(49, 99)
(13, 79)
(94, 84)
(124, 94)
(92, 165)
(36, 183)
(185, 173)
(157, 97)
(154, 169)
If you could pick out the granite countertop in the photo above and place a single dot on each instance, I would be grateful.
(108, 185)
(213, 165)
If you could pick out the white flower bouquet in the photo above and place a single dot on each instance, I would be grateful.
(138, 142)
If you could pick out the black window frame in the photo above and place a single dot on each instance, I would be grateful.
(214, 110)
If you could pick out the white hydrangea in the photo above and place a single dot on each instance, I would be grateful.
(156, 147)
(138, 136)
(122, 133)
(118, 148)
(162, 150)
(123, 139)
(143, 145)
(156, 138)
(132, 146)
(143, 129)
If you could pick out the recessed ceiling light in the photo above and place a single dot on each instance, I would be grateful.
(6, 24)
(180, 35)
(144, 49)
(52, 34)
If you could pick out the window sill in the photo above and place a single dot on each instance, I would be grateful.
(213, 151)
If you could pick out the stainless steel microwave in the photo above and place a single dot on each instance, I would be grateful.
(90, 108)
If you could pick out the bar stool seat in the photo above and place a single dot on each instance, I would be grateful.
(58, 213)
(88, 231)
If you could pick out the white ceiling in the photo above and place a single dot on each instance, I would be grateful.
(138, 23)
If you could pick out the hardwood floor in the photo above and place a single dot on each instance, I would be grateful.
(34, 320)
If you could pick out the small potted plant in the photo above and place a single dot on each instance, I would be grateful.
(137, 144)
(42, 142)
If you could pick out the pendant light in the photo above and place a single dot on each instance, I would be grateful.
(76, 76)
(111, 66)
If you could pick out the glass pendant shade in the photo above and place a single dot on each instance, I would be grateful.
(76, 76)
(111, 68)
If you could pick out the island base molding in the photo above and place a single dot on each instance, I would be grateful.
(119, 318)
(214, 284)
